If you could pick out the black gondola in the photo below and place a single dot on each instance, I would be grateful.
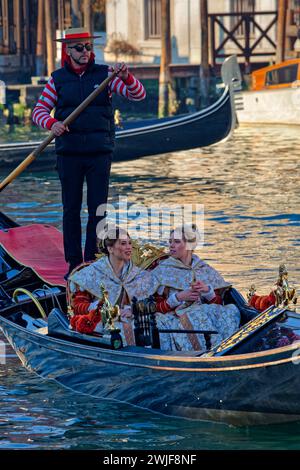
(250, 378)
(154, 136)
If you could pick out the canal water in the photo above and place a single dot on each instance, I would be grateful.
(249, 187)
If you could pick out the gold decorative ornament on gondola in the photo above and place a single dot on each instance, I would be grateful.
(281, 298)
(281, 295)
(118, 119)
(143, 255)
(109, 313)
(284, 293)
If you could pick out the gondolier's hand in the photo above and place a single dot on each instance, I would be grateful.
(122, 70)
(59, 128)
(188, 295)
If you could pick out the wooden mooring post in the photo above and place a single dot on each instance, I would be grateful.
(164, 75)
(204, 67)
(40, 42)
(49, 36)
(281, 30)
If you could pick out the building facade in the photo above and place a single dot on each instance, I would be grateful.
(17, 39)
(247, 28)
(28, 27)
(137, 23)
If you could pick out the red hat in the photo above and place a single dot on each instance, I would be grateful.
(73, 35)
(76, 34)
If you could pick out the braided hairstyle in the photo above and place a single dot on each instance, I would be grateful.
(109, 237)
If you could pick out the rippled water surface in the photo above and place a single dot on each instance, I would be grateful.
(37, 414)
(249, 187)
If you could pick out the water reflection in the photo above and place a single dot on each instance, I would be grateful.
(41, 415)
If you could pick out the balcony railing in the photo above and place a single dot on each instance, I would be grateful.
(247, 44)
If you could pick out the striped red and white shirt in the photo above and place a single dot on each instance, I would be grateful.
(132, 89)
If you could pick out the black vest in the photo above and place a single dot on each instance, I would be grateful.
(93, 131)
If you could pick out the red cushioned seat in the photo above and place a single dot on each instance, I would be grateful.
(40, 247)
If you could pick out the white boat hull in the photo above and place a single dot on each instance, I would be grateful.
(269, 106)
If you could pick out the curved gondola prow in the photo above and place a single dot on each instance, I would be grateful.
(232, 78)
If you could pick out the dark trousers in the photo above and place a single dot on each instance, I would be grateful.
(72, 173)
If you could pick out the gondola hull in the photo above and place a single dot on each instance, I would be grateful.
(240, 389)
(148, 137)
(253, 384)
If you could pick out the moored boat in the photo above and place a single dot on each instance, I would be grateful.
(152, 136)
(274, 96)
(250, 378)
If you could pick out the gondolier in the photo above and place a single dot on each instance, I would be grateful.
(84, 149)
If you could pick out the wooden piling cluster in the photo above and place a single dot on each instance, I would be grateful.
(29, 27)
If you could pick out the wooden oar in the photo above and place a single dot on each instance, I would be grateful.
(33, 155)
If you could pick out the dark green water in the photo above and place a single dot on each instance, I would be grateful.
(249, 186)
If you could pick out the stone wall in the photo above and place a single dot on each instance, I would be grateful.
(126, 20)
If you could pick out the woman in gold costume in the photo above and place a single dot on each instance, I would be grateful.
(190, 297)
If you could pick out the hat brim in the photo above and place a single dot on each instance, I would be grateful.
(76, 39)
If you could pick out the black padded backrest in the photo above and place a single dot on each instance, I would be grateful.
(233, 296)
(57, 322)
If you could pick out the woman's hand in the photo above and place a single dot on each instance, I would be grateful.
(122, 70)
(58, 128)
(200, 287)
(189, 295)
